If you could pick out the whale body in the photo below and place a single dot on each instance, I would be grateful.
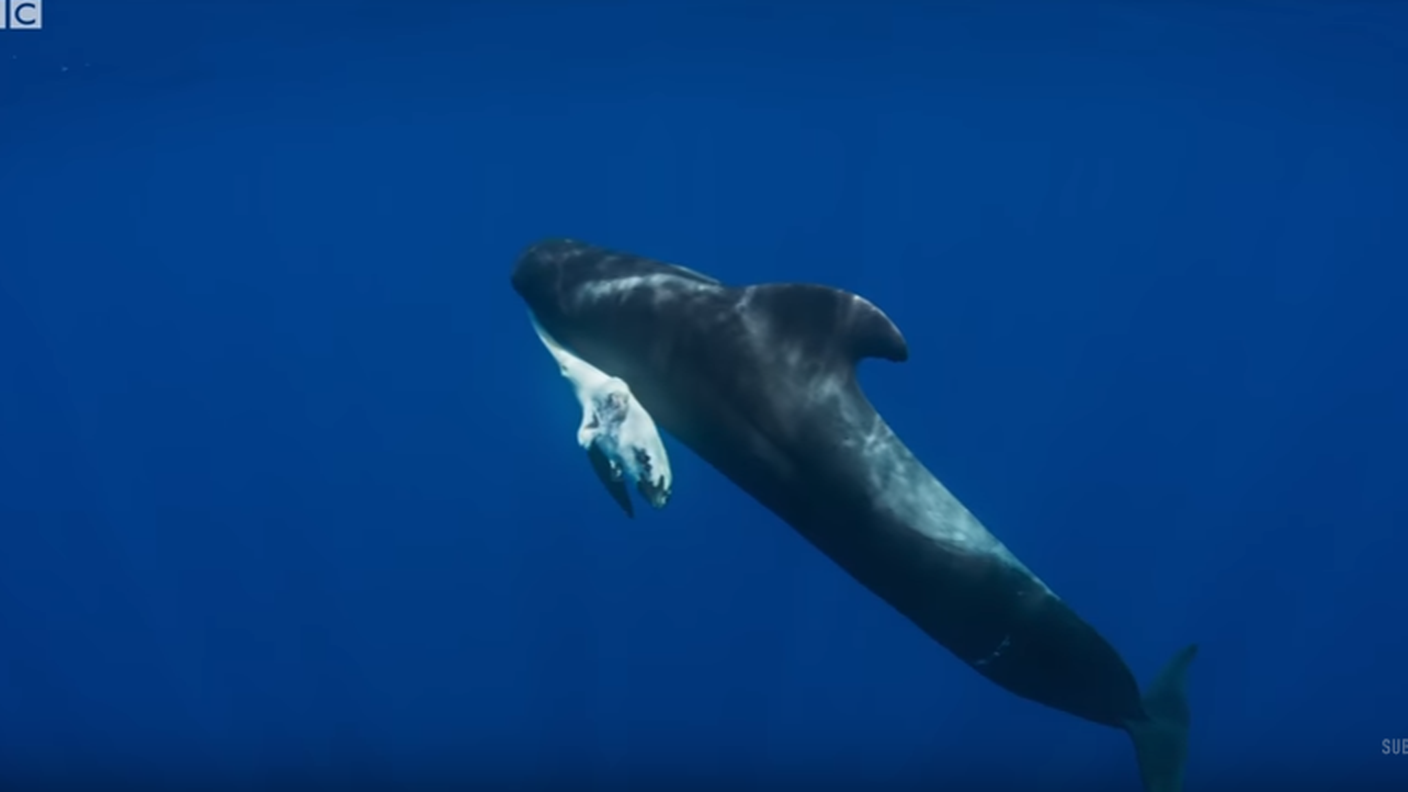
(760, 382)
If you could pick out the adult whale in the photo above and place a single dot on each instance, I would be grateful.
(760, 382)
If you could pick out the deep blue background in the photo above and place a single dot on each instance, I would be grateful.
(288, 488)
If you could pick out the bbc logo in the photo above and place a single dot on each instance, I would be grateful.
(22, 14)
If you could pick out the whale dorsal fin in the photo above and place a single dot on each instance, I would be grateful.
(828, 318)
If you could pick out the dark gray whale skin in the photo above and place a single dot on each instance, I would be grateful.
(760, 382)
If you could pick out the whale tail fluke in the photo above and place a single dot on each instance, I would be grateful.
(1161, 739)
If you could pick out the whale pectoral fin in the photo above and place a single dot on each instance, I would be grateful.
(829, 317)
(610, 476)
(1161, 740)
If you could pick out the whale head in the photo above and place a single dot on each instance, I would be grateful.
(603, 305)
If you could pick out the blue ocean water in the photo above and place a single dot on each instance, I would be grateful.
(289, 491)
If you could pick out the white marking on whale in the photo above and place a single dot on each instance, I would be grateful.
(617, 433)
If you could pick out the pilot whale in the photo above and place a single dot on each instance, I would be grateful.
(760, 382)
